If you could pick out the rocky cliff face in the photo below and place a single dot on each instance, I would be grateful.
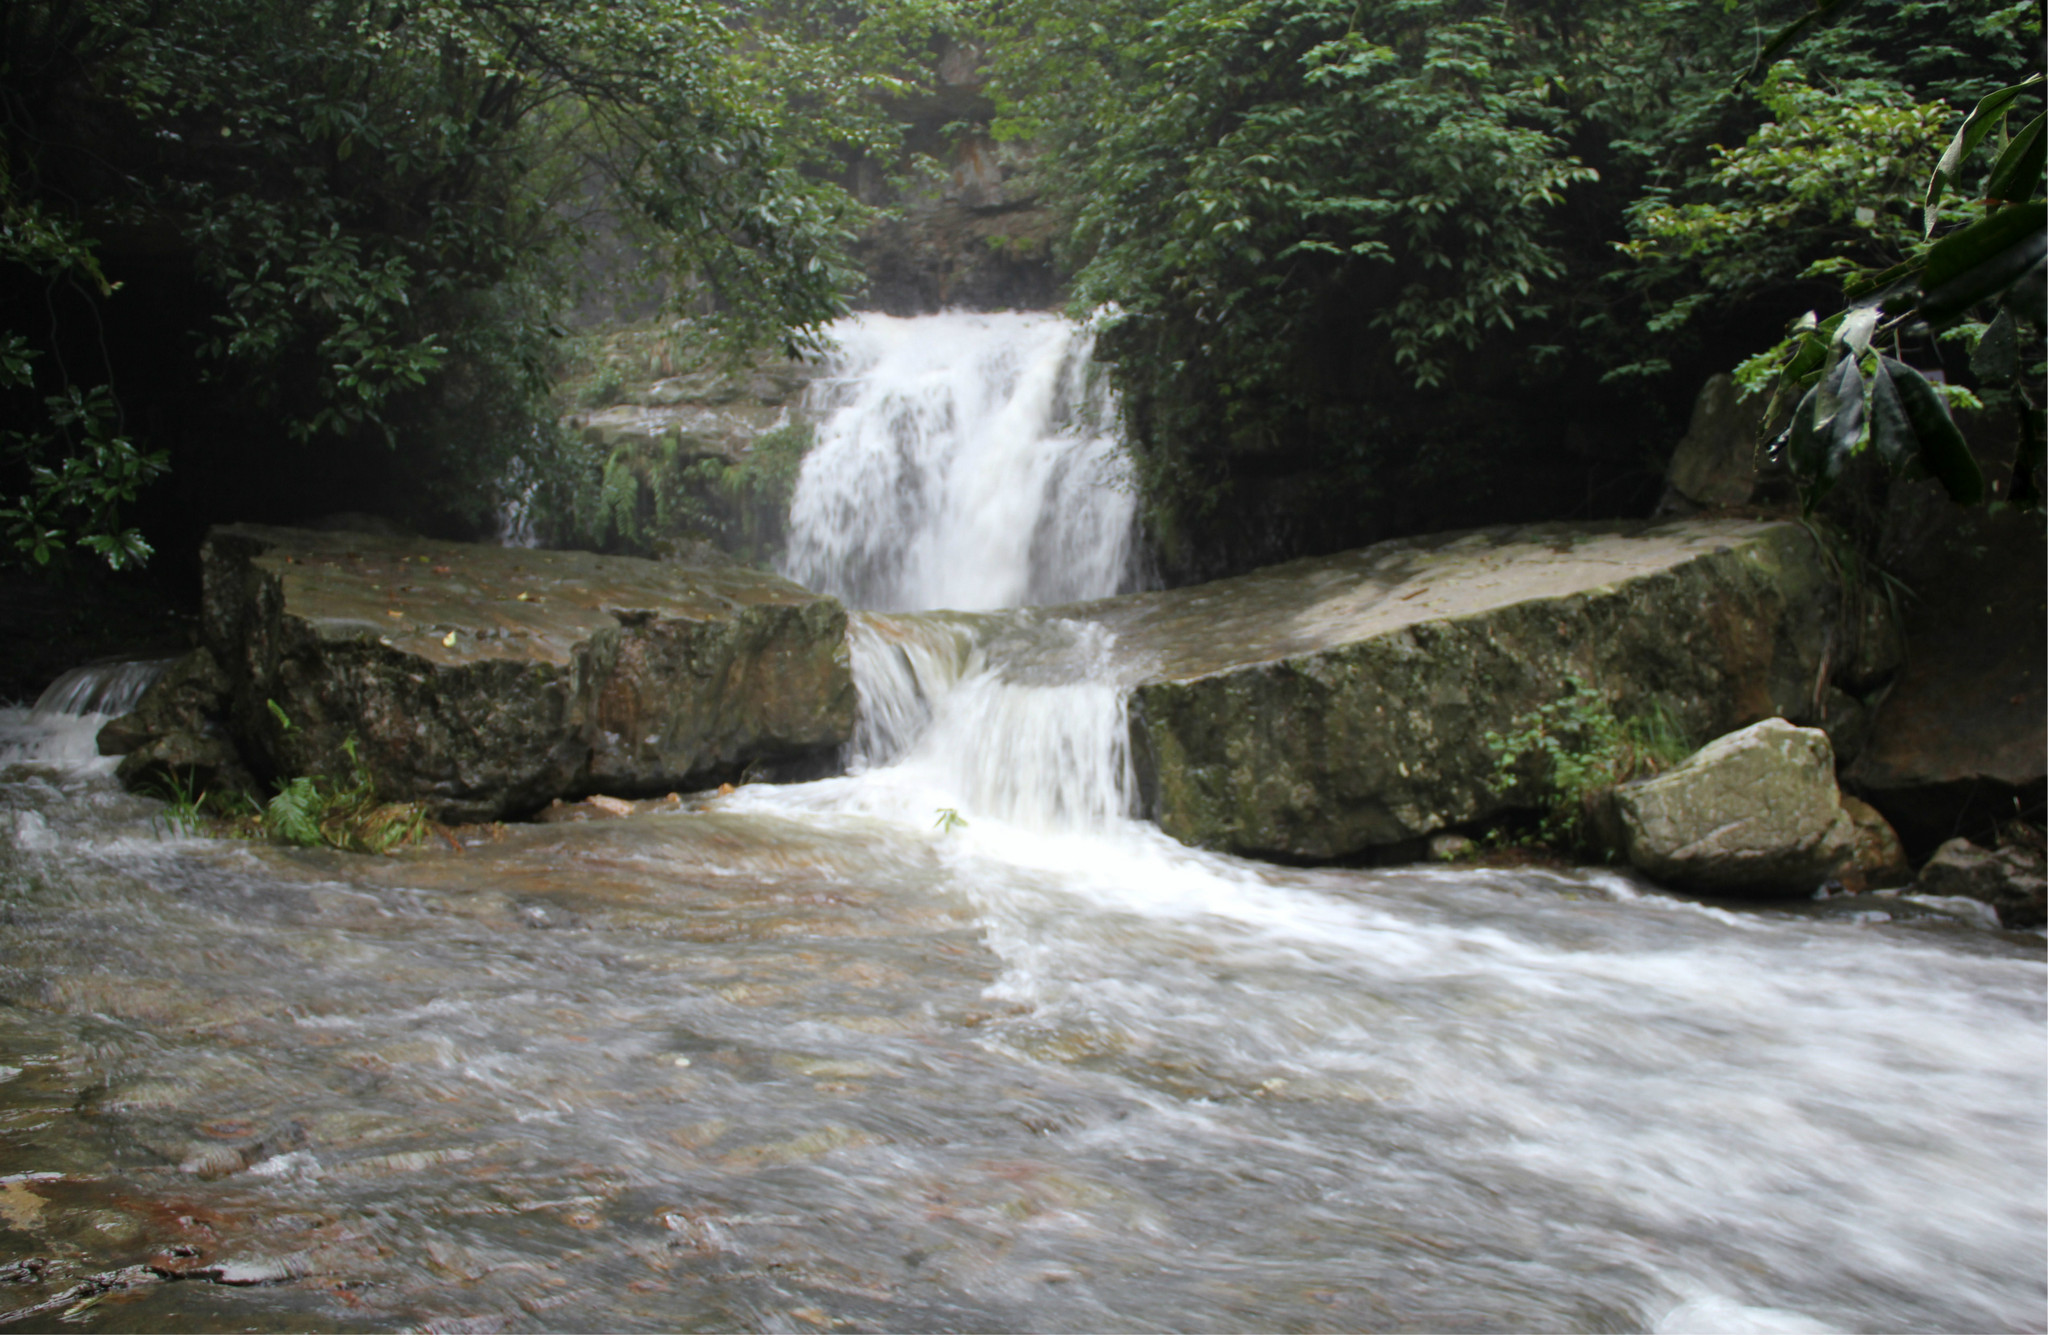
(974, 236)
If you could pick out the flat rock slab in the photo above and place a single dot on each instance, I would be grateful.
(1318, 709)
(486, 680)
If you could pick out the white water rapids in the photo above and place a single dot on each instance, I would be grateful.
(823, 1057)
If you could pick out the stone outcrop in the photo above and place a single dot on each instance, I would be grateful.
(1714, 465)
(1960, 743)
(1755, 812)
(178, 731)
(2013, 880)
(484, 681)
(1319, 709)
(1879, 861)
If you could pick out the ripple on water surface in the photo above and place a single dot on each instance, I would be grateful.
(802, 1062)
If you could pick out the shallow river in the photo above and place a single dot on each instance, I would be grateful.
(825, 1057)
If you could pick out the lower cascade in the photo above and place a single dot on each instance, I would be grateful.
(954, 1041)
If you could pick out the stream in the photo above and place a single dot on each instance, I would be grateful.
(952, 1042)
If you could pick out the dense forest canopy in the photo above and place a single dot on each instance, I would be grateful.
(1363, 266)
(1382, 267)
(312, 254)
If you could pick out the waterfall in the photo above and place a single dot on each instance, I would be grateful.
(63, 725)
(963, 461)
(967, 462)
(951, 1043)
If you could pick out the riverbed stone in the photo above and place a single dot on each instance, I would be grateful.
(1323, 708)
(1959, 743)
(1755, 812)
(484, 681)
(2012, 879)
(177, 733)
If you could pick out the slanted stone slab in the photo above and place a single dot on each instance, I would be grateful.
(486, 680)
(1321, 708)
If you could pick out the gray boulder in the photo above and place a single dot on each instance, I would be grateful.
(1755, 812)
(2010, 879)
(484, 681)
(1714, 464)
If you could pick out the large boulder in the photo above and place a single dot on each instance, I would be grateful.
(1755, 812)
(1714, 465)
(1960, 743)
(1321, 708)
(484, 681)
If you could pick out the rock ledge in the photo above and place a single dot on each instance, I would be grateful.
(484, 681)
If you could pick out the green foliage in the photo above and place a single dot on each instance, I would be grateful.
(315, 811)
(310, 811)
(1837, 396)
(640, 497)
(78, 471)
(1249, 162)
(949, 820)
(1374, 244)
(1832, 167)
(1565, 756)
(385, 203)
(190, 810)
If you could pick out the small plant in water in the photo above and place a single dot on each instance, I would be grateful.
(1571, 752)
(949, 820)
(313, 810)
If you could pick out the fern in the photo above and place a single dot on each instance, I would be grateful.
(294, 815)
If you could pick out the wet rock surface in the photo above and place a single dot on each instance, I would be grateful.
(1715, 463)
(2013, 879)
(178, 731)
(484, 681)
(1324, 707)
(1754, 812)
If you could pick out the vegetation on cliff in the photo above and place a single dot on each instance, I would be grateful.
(309, 257)
(1379, 267)
(1365, 267)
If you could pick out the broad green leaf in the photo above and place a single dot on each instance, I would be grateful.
(2019, 167)
(2027, 298)
(1805, 447)
(1997, 356)
(1891, 431)
(1787, 35)
(1844, 426)
(1808, 360)
(1987, 113)
(1856, 329)
(1856, 288)
(1943, 451)
(1982, 260)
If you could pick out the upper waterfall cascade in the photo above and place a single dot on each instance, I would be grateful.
(963, 461)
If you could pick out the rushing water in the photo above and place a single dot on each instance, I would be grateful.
(953, 1043)
(962, 461)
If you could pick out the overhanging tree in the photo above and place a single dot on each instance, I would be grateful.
(371, 210)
